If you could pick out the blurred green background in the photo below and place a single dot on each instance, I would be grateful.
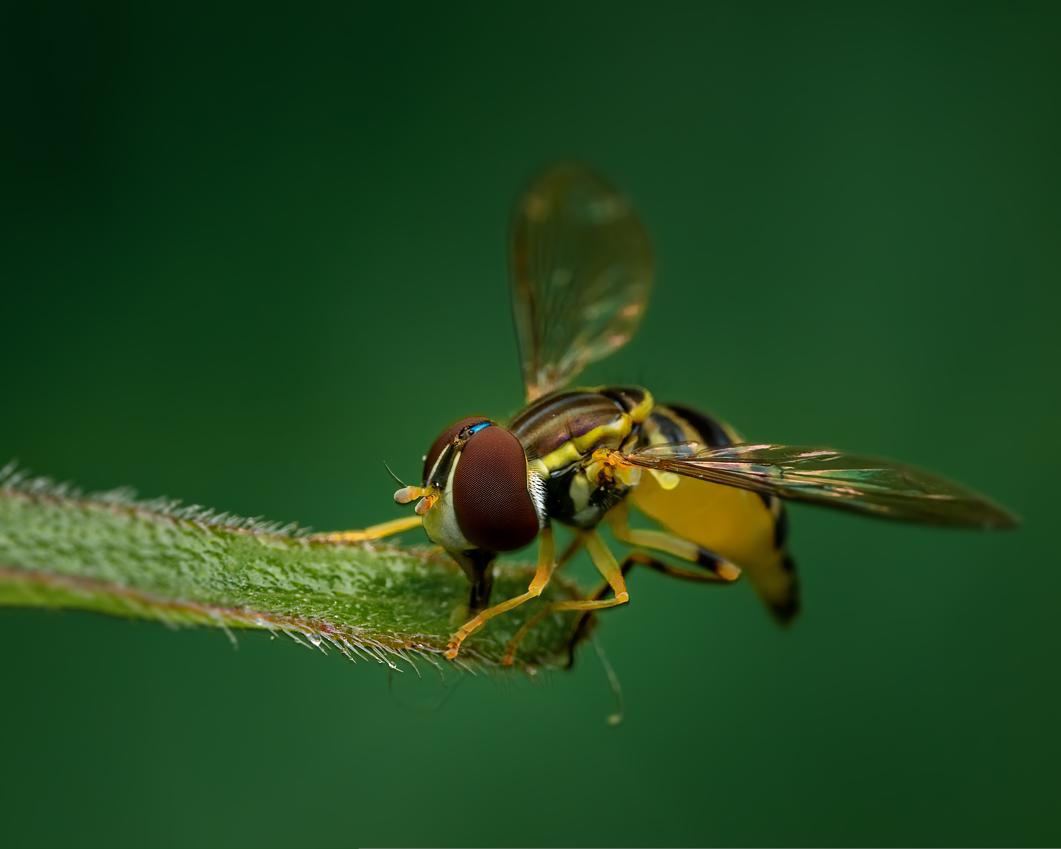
(230, 236)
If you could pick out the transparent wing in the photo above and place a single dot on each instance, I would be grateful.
(832, 478)
(581, 275)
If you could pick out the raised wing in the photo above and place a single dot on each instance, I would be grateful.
(831, 478)
(581, 275)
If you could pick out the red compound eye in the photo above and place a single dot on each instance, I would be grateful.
(490, 498)
(445, 438)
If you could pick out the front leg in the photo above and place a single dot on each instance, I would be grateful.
(614, 580)
(546, 565)
(383, 529)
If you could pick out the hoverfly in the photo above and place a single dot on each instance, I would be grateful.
(582, 273)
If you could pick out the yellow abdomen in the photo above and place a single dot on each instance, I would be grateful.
(743, 527)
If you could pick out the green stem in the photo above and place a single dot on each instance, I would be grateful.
(189, 566)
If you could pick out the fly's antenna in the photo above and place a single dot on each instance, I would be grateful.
(390, 471)
(613, 679)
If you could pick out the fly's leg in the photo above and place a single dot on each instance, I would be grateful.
(606, 564)
(604, 560)
(635, 558)
(583, 622)
(573, 548)
(718, 568)
(383, 529)
(546, 565)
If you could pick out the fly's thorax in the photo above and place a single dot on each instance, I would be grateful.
(563, 429)
(483, 494)
(560, 433)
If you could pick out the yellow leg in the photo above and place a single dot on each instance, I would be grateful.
(718, 568)
(635, 558)
(574, 547)
(605, 562)
(384, 529)
(546, 565)
(524, 629)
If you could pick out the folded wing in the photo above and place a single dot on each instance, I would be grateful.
(830, 478)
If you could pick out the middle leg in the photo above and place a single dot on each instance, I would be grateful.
(715, 570)
(614, 580)
(634, 558)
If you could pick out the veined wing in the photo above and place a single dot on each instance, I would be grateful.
(831, 478)
(581, 275)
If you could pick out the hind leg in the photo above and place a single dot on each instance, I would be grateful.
(718, 568)
(715, 569)
(636, 558)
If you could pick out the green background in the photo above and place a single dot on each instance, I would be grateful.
(248, 255)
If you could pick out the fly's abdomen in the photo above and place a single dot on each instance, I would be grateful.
(745, 527)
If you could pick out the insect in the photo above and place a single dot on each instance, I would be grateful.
(582, 273)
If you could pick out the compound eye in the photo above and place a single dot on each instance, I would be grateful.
(490, 497)
(445, 438)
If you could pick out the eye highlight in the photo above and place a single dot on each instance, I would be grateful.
(490, 497)
(446, 437)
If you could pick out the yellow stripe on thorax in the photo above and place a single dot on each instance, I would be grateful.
(574, 450)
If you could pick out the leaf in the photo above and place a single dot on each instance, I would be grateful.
(189, 566)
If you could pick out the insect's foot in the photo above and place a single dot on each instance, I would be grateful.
(728, 571)
(453, 649)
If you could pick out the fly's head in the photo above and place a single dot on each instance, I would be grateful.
(478, 493)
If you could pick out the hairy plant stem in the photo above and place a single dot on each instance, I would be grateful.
(189, 566)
